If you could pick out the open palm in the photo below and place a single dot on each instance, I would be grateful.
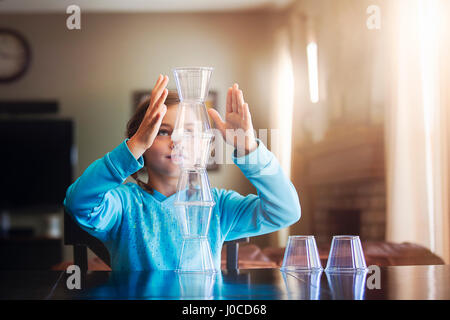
(237, 129)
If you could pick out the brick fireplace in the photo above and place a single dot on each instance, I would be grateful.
(351, 208)
(344, 183)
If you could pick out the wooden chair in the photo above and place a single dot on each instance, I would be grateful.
(81, 241)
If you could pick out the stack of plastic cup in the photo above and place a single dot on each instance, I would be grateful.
(194, 200)
(301, 255)
(346, 255)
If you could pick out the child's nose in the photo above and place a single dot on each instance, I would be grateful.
(171, 145)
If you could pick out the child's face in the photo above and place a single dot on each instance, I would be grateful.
(158, 156)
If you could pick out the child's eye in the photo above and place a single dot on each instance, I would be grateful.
(163, 132)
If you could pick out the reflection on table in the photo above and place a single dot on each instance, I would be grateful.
(242, 285)
(406, 282)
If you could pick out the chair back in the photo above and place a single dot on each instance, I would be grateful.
(81, 240)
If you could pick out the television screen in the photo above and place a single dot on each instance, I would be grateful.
(36, 163)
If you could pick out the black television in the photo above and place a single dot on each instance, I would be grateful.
(37, 163)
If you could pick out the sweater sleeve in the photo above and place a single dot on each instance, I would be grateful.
(92, 199)
(275, 206)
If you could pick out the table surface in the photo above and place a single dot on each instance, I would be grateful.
(396, 283)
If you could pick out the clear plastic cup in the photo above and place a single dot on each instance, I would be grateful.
(347, 286)
(346, 255)
(301, 255)
(196, 286)
(193, 83)
(303, 285)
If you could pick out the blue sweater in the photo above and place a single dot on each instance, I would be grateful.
(141, 231)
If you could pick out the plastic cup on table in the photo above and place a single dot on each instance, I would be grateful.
(301, 255)
(346, 255)
(302, 285)
(347, 285)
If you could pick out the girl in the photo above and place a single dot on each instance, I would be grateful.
(137, 222)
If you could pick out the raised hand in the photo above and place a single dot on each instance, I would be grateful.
(149, 127)
(237, 129)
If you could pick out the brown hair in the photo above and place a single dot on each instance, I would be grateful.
(136, 120)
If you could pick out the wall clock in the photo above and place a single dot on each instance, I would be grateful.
(15, 55)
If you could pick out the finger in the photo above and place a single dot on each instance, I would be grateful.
(153, 94)
(217, 120)
(246, 113)
(149, 107)
(155, 125)
(158, 104)
(163, 80)
(160, 77)
(240, 103)
(153, 107)
(158, 89)
(161, 86)
(163, 83)
(233, 98)
(161, 112)
(157, 119)
(158, 80)
(229, 98)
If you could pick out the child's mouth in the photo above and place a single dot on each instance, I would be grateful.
(175, 158)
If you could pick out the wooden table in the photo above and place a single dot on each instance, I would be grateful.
(397, 283)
